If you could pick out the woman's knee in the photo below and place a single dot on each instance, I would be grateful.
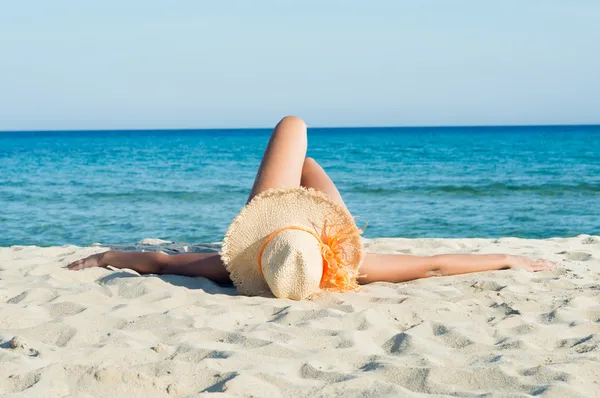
(309, 166)
(292, 122)
(291, 131)
(310, 162)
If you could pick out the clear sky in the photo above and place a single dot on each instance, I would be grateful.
(203, 64)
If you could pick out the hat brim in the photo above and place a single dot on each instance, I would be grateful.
(270, 211)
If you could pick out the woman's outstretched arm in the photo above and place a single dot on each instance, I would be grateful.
(207, 265)
(402, 268)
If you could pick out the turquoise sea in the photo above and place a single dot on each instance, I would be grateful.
(80, 187)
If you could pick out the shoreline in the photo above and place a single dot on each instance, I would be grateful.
(201, 247)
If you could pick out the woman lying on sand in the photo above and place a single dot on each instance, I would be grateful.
(285, 165)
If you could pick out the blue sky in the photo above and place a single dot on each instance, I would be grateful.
(200, 64)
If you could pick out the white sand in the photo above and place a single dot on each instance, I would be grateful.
(112, 333)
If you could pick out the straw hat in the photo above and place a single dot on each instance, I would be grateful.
(292, 242)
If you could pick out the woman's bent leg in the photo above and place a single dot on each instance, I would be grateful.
(281, 166)
(284, 164)
(313, 176)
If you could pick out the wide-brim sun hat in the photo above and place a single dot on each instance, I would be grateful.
(293, 243)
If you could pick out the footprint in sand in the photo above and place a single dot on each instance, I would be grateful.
(576, 256)
(18, 383)
(18, 344)
(64, 309)
(37, 295)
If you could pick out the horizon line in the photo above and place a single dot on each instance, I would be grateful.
(309, 128)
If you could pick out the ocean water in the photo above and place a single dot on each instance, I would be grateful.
(80, 187)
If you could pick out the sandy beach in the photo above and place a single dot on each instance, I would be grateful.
(111, 333)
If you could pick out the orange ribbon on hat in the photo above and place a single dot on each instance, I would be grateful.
(337, 275)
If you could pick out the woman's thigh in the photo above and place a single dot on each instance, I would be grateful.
(313, 176)
(282, 163)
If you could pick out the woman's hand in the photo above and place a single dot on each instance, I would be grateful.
(530, 264)
(144, 263)
(95, 260)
